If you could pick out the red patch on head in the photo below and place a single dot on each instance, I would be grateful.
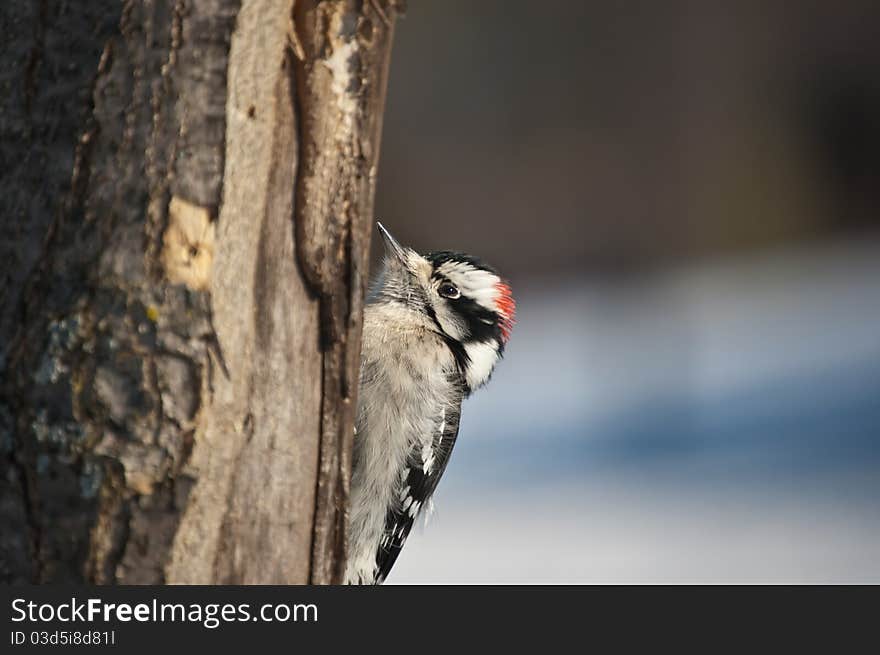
(507, 308)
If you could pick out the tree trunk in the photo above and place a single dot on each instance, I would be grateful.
(187, 191)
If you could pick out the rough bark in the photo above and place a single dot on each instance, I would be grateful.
(186, 223)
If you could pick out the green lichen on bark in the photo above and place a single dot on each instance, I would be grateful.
(105, 373)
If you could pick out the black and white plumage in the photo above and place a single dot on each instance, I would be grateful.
(435, 326)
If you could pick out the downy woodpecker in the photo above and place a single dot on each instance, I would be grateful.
(435, 325)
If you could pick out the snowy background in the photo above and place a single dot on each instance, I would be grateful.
(685, 197)
(718, 423)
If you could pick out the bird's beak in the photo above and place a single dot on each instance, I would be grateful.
(391, 245)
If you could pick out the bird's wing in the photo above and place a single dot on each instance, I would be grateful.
(418, 482)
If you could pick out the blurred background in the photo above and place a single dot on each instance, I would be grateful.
(685, 199)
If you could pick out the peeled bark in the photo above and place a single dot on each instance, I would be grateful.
(189, 220)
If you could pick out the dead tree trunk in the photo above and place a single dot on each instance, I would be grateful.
(187, 189)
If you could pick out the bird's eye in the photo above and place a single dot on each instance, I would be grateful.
(449, 291)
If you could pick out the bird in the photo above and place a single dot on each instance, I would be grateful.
(435, 327)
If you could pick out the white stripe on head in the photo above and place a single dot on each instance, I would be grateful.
(483, 356)
(475, 283)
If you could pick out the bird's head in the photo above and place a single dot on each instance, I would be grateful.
(461, 298)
